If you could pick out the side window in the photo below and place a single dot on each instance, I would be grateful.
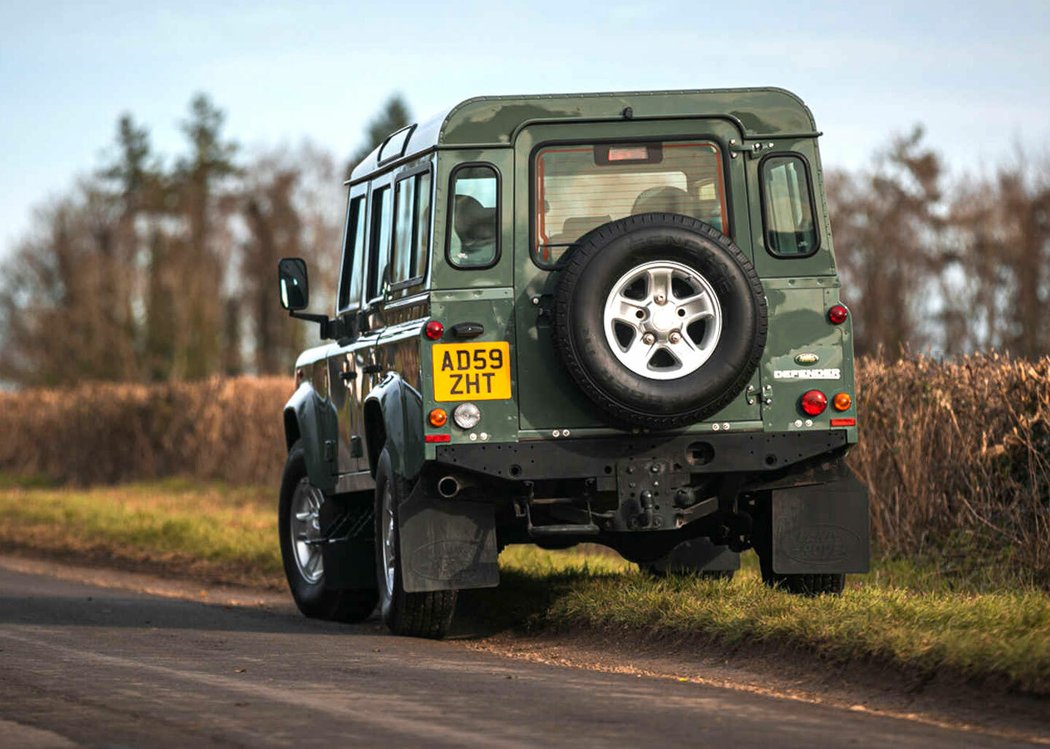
(404, 208)
(379, 255)
(787, 210)
(473, 240)
(422, 240)
(353, 255)
(411, 230)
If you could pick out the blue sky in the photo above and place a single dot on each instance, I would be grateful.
(976, 74)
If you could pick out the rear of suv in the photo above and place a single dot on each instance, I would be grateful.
(605, 318)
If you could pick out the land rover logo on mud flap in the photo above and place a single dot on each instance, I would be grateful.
(442, 560)
(826, 544)
(807, 359)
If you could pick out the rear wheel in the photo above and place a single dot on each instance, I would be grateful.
(426, 614)
(299, 521)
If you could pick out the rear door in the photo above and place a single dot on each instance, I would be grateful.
(569, 179)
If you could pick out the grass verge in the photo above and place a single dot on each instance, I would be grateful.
(901, 615)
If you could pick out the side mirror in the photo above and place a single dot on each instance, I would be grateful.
(294, 284)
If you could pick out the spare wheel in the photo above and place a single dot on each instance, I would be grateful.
(660, 319)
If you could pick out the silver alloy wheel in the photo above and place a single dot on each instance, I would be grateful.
(651, 318)
(389, 550)
(305, 527)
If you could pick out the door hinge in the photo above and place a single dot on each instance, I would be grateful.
(754, 150)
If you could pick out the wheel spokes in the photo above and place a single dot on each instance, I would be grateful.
(660, 283)
(696, 307)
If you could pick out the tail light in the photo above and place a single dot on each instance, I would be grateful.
(837, 314)
(813, 403)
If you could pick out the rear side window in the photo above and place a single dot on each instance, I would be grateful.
(382, 218)
(473, 240)
(787, 207)
(353, 255)
(580, 187)
(412, 231)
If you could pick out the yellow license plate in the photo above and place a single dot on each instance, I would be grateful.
(471, 371)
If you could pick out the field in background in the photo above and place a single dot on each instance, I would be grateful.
(903, 616)
(956, 454)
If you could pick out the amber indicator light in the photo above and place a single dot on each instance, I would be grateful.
(842, 401)
(438, 417)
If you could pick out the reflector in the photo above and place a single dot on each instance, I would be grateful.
(435, 330)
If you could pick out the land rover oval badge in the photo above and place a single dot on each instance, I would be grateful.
(807, 359)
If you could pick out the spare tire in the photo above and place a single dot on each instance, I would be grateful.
(660, 319)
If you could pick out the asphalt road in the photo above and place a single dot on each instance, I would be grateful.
(87, 666)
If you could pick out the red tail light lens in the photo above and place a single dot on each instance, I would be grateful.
(837, 314)
(813, 403)
(435, 330)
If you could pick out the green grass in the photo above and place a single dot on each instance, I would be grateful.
(223, 533)
(907, 615)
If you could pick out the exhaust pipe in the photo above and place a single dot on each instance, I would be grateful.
(449, 486)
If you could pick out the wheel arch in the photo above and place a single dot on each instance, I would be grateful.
(393, 414)
(312, 420)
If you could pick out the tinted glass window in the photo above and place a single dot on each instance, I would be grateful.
(419, 257)
(412, 228)
(395, 144)
(404, 233)
(581, 187)
(474, 236)
(788, 208)
(353, 255)
(382, 215)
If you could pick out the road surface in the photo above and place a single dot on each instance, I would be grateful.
(88, 666)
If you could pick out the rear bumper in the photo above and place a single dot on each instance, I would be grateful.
(605, 459)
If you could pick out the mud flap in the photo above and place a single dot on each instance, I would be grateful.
(446, 544)
(350, 556)
(698, 555)
(823, 528)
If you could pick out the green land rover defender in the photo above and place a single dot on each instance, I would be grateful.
(603, 318)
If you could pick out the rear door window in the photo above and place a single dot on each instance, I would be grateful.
(580, 187)
(787, 207)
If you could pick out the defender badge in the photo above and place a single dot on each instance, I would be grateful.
(807, 359)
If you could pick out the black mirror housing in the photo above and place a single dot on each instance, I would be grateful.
(293, 283)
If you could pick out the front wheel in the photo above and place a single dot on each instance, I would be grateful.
(299, 521)
(426, 614)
